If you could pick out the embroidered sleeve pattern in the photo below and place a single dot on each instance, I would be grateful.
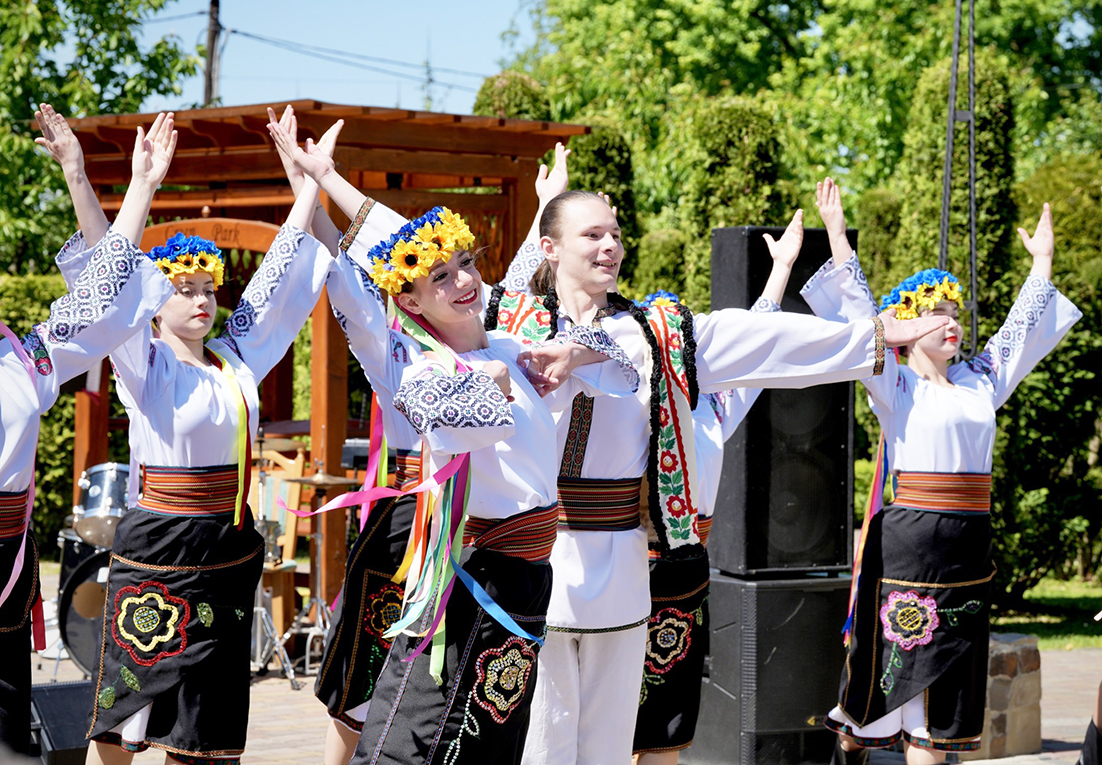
(524, 265)
(263, 284)
(596, 339)
(853, 285)
(73, 258)
(765, 305)
(114, 262)
(1010, 340)
(357, 224)
(471, 400)
(369, 286)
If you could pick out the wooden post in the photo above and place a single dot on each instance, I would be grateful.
(90, 424)
(329, 425)
(525, 208)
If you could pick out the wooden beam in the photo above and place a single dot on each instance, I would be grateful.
(199, 198)
(91, 426)
(429, 199)
(435, 162)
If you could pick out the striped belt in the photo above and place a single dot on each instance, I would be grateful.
(184, 491)
(529, 535)
(703, 528)
(945, 492)
(13, 514)
(597, 504)
(407, 469)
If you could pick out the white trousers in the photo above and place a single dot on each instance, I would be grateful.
(586, 698)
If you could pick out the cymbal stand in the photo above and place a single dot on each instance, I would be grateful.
(265, 638)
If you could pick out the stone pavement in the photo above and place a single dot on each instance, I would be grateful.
(287, 727)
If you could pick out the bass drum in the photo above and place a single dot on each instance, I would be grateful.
(80, 610)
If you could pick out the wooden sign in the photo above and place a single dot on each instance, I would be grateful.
(227, 233)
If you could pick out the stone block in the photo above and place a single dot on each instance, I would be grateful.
(996, 748)
(1003, 662)
(998, 725)
(1023, 735)
(1030, 659)
(1025, 692)
(998, 693)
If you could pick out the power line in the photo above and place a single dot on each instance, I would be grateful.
(175, 18)
(363, 57)
(313, 51)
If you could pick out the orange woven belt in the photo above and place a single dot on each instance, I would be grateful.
(189, 491)
(13, 514)
(945, 492)
(597, 504)
(407, 469)
(529, 535)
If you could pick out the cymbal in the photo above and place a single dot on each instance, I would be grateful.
(276, 445)
(324, 479)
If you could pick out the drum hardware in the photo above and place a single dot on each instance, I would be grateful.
(104, 495)
(266, 641)
(322, 484)
(80, 610)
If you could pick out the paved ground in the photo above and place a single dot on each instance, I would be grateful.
(288, 726)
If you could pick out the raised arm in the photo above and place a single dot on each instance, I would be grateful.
(784, 253)
(62, 144)
(828, 198)
(322, 228)
(1038, 320)
(549, 184)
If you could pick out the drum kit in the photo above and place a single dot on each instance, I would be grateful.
(86, 541)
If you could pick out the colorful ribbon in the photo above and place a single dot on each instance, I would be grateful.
(21, 354)
(244, 460)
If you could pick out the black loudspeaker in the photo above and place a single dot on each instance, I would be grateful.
(59, 720)
(786, 496)
(772, 675)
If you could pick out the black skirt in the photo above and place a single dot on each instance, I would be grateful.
(677, 642)
(15, 644)
(355, 648)
(921, 624)
(180, 595)
(479, 714)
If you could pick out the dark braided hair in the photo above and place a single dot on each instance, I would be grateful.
(492, 308)
(688, 352)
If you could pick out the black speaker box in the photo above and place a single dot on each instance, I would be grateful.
(59, 720)
(773, 672)
(786, 496)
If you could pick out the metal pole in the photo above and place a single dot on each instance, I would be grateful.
(947, 181)
(210, 79)
(972, 305)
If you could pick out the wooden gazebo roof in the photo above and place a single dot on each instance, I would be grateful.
(226, 167)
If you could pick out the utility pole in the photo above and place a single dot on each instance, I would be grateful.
(214, 30)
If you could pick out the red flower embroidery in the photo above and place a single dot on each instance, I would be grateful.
(668, 461)
(149, 623)
(503, 677)
(675, 506)
(543, 318)
(675, 342)
(668, 639)
(504, 317)
(663, 416)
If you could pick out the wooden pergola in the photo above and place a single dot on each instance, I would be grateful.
(226, 182)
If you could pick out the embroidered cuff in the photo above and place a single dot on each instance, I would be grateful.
(75, 246)
(113, 263)
(357, 224)
(264, 282)
(765, 305)
(1032, 300)
(596, 339)
(469, 400)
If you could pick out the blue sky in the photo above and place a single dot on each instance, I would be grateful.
(465, 36)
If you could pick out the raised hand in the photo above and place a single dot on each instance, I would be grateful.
(316, 165)
(328, 141)
(785, 250)
(608, 201)
(898, 332)
(828, 199)
(153, 151)
(549, 184)
(58, 139)
(1042, 243)
(289, 122)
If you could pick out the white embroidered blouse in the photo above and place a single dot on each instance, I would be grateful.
(929, 427)
(116, 291)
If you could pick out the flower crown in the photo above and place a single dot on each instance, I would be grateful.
(187, 255)
(416, 246)
(659, 298)
(923, 290)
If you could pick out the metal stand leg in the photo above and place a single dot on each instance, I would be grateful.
(267, 641)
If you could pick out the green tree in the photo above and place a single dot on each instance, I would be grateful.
(513, 95)
(82, 56)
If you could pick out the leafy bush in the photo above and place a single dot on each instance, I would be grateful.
(514, 95)
(661, 264)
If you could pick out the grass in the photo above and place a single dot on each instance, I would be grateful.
(1061, 614)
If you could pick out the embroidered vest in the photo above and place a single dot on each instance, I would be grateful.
(671, 469)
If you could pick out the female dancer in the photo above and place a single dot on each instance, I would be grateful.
(174, 671)
(475, 709)
(592, 663)
(678, 628)
(916, 667)
(118, 292)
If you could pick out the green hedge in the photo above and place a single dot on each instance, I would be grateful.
(661, 264)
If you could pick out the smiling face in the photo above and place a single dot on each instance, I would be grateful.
(189, 314)
(585, 250)
(945, 342)
(451, 293)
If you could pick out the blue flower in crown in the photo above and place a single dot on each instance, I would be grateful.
(924, 289)
(659, 298)
(188, 255)
(415, 247)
